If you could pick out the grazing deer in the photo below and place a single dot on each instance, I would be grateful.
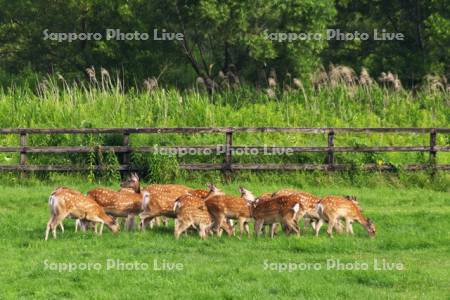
(308, 204)
(222, 207)
(161, 201)
(191, 211)
(248, 196)
(281, 209)
(333, 208)
(64, 202)
(127, 203)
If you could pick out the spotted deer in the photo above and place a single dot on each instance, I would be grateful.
(308, 204)
(65, 202)
(333, 208)
(161, 201)
(281, 209)
(223, 207)
(248, 196)
(191, 211)
(126, 203)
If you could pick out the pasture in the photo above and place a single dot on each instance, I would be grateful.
(412, 233)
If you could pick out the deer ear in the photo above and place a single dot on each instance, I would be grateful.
(134, 177)
(369, 221)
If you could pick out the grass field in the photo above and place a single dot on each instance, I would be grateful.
(413, 230)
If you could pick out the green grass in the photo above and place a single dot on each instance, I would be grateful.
(413, 229)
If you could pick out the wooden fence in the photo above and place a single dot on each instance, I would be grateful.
(228, 148)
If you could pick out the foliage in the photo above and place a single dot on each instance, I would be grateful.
(221, 36)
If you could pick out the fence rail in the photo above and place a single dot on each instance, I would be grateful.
(227, 149)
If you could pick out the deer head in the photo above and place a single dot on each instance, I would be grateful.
(370, 227)
(214, 190)
(132, 183)
(112, 224)
(247, 195)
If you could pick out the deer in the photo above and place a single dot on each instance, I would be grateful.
(246, 194)
(223, 207)
(333, 208)
(65, 202)
(126, 203)
(308, 204)
(200, 194)
(191, 211)
(161, 201)
(281, 209)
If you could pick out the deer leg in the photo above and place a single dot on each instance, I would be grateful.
(77, 224)
(331, 224)
(129, 223)
(349, 226)
(257, 228)
(273, 229)
(221, 223)
(313, 223)
(47, 230)
(241, 227)
(306, 223)
(55, 221)
(228, 228)
(202, 231)
(145, 220)
(290, 223)
(318, 226)
(294, 226)
(247, 229)
(339, 226)
(165, 221)
(182, 226)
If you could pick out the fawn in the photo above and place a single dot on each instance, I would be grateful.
(223, 207)
(333, 208)
(125, 203)
(281, 209)
(64, 202)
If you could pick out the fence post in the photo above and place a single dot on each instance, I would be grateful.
(23, 152)
(433, 151)
(330, 158)
(126, 155)
(228, 154)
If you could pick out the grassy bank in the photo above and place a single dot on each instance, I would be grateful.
(412, 227)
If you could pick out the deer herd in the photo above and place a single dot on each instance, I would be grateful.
(208, 211)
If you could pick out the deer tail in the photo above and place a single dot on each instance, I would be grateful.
(53, 204)
(146, 201)
(319, 208)
(176, 205)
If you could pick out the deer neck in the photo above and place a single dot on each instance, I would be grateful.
(361, 219)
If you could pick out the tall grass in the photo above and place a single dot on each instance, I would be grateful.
(55, 103)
